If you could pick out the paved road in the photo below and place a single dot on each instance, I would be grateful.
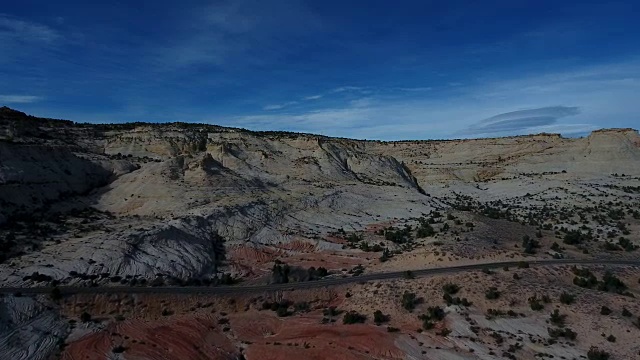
(333, 281)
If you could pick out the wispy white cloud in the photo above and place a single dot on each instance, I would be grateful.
(17, 29)
(279, 106)
(570, 102)
(516, 121)
(415, 89)
(346, 88)
(273, 107)
(313, 97)
(234, 32)
(362, 102)
(19, 99)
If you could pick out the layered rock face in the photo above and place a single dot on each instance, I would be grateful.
(168, 193)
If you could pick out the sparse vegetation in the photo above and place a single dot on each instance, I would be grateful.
(566, 333)
(409, 301)
(595, 353)
(557, 319)
(433, 315)
(353, 317)
(492, 293)
(379, 317)
(567, 298)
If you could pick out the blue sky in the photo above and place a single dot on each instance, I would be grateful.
(373, 70)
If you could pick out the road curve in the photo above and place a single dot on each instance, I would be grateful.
(334, 281)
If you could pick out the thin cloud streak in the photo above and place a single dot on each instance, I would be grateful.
(279, 106)
(19, 99)
(595, 94)
(516, 121)
(11, 27)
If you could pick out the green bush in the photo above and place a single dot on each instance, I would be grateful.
(492, 293)
(451, 288)
(611, 338)
(535, 303)
(433, 315)
(567, 299)
(564, 333)
(556, 318)
(409, 300)
(596, 354)
(379, 317)
(352, 317)
(331, 311)
(85, 317)
(450, 300)
(574, 237)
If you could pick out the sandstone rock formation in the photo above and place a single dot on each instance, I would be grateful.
(172, 189)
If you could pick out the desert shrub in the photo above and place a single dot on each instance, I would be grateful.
(399, 236)
(379, 317)
(567, 299)
(584, 278)
(85, 317)
(386, 255)
(331, 311)
(493, 313)
(605, 310)
(529, 245)
(425, 230)
(611, 338)
(301, 306)
(433, 315)
(535, 303)
(450, 288)
(566, 333)
(610, 283)
(280, 273)
(575, 237)
(609, 246)
(492, 293)
(595, 353)
(282, 310)
(626, 244)
(450, 300)
(556, 318)
(626, 312)
(409, 301)
(353, 317)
